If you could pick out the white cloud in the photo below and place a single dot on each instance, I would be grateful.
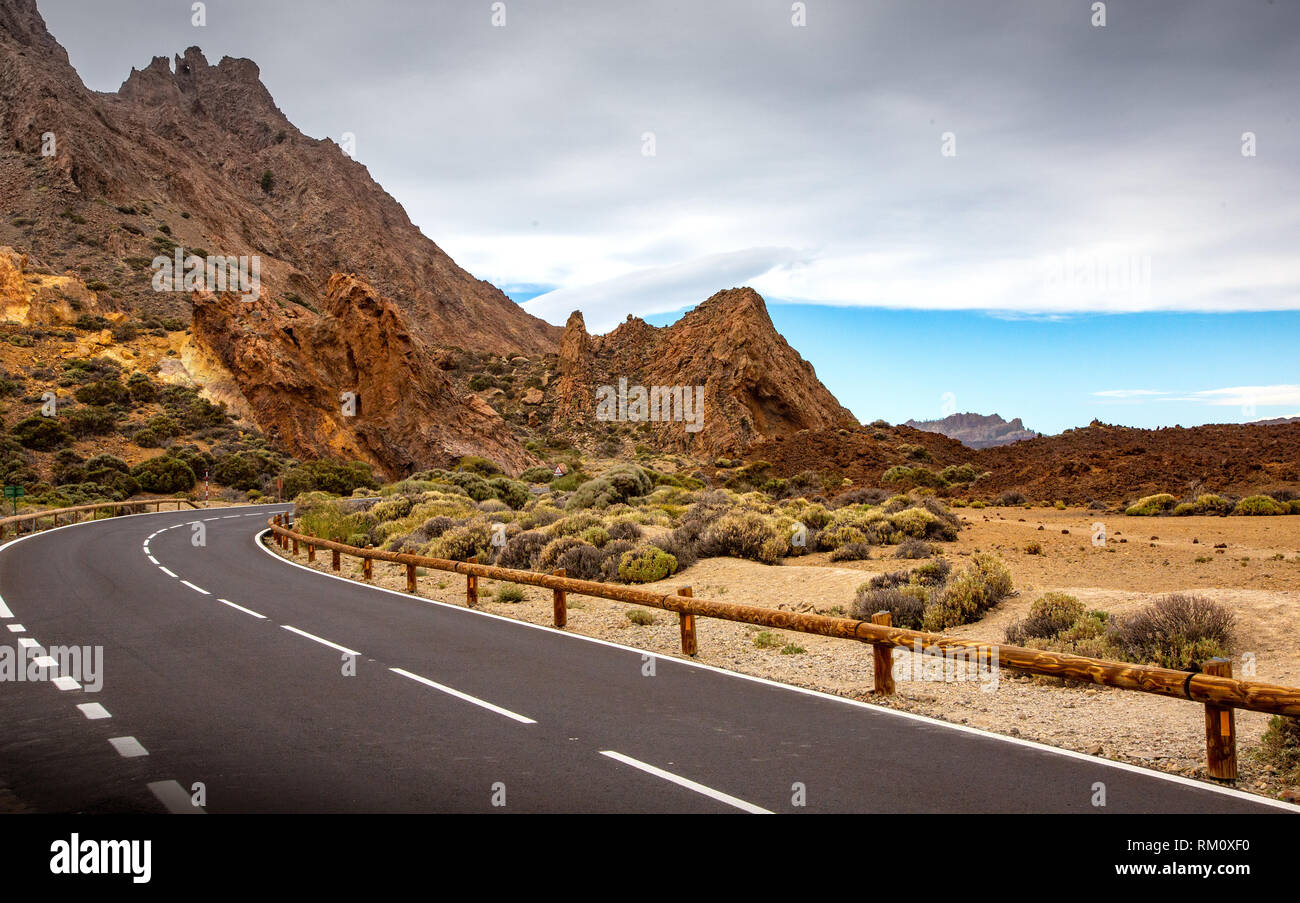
(1232, 396)
(660, 289)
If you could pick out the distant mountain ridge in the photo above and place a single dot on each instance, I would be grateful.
(976, 430)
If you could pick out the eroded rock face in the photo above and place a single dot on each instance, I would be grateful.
(35, 299)
(755, 386)
(293, 368)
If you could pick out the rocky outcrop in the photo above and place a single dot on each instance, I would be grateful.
(202, 151)
(42, 299)
(753, 384)
(976, 430)
(294, 368)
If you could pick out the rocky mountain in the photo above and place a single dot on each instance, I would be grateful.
(976, 430)
(723, 367)
(199, 156)
(293, 372)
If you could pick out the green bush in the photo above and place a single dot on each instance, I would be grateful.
(646, 565)
(1260, 505)
(510, 592)
(41, 433)
(983, 584)
(328, 476)
(164, 475)
(463, 542)
(1151, 505)
(537, 475)
(91, 421)
(103, 392)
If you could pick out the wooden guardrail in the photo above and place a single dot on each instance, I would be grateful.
(1214, 687)
(74, 513)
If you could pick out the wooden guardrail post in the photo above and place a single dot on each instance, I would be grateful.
(1220, 729)
(367, 564)
(690, 646)
(883, 657)
(471, 585)
(336, 563)
(311, 551)
(410, 578)
(559, 601)
(295, 546)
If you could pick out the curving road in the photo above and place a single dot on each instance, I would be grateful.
(224, 666)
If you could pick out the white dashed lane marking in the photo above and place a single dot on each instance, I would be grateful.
(197, 589)
(16, 628)
(324, 642)
(687, 783)
(4, 609)
(463, 696)
(128, 747)
(167, 572)
(175, 798)
(66, 683)
(247, 611)
(94, 711)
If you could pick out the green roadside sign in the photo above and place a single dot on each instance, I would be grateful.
(15, 493)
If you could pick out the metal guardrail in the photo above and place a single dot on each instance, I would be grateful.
(17, 520)
(1214, 687)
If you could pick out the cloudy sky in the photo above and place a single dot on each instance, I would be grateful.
(993, 206)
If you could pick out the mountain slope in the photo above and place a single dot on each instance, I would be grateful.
(180, 157)
(753, 384)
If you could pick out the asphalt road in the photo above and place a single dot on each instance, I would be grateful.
(226, 667)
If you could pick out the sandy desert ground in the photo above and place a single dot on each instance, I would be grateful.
(1255, 570)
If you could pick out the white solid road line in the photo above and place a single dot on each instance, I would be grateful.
(175, 798)
(197, 589)
(247, 611)
(167, 572)
(463, 696)
(128, 747)
(94, 711)
(324, 642)
(688, 784)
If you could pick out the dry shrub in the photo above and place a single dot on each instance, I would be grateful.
(852, 551)
(905, 605)
(581, 561)
(1048, 616)
(743, 534)
(522, 550)
(1179, 630)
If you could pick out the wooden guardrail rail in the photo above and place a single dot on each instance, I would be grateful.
(16, 521)
(1214, 687)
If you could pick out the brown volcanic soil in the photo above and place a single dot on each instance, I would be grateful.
(1103, 464)
(1116, 464)
(861, 455)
